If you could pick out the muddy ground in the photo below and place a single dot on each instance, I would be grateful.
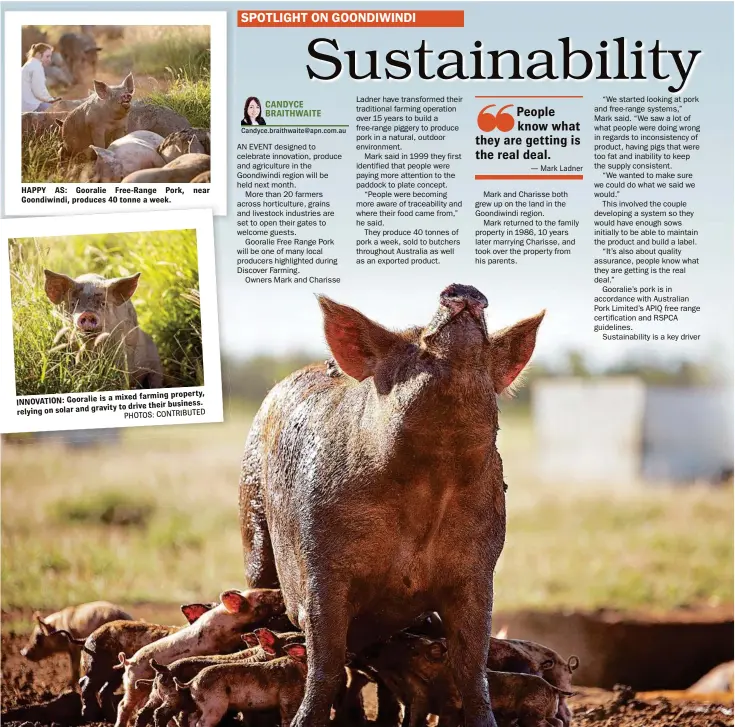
(25, 684)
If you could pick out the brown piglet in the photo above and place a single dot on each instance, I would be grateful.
(79, 621)
(101, 662)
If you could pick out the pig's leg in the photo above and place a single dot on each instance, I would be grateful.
(75, 656)
(418, 711)
(563, 713)
(288, 710)
(389, 708)
(145, 716)
(212, 713)
(107, 701)
(133, 699)
(260, 563)
(165, 713)
(327, 620)
(91, 710)
(349, 707)
(98, 137)
(468, 619)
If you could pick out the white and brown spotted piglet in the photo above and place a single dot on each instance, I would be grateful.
(263, 686)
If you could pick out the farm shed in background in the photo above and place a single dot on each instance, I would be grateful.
(619, 430)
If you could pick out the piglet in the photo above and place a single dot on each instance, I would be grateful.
(100, 656)
(79, 621)
(272, 685)
(165, 701)
(217, 632)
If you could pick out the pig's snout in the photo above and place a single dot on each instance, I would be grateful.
(457, 298)
(125, 100)
(88, 321)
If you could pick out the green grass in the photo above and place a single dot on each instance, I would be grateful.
(157, 50)
(190, 97)
(62, 541)
(166, 302)
(40, 159)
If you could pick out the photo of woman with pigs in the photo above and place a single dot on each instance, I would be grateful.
(88, 317)
(252, 112)
(35, 95)
(136, 108)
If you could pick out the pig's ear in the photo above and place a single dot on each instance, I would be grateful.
(129, 83)
(158, 668)
(546, 664)
(57, 285)
(98, 151)
(267, 640)
(356, 342)
(511, 350)
(101, 89)
(192, 611)
(121, 289)
(45, 628)
(296, 651)
(573, 663)
(234, 601)
(250, 639)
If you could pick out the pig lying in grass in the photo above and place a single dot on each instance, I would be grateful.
(272, 685)
(182, 169)
(98, 312)
(79, 621)
(161, 119)
(100, 656)
(132, 152)
(218, 631)
(166, 701)
(188, 141)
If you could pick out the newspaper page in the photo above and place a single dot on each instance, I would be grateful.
(367, 362)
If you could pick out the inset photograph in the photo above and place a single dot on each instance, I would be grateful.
(115, 103)
(109, 320)
(106, 312)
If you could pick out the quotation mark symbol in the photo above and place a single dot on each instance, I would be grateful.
(489, 121)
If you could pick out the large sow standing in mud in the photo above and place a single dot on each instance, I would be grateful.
(372, 491)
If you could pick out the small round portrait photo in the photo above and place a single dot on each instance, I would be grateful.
(252, 112)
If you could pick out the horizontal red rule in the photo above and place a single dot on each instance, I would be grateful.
(350, 18)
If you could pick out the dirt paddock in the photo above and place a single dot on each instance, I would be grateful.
(32, 694)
